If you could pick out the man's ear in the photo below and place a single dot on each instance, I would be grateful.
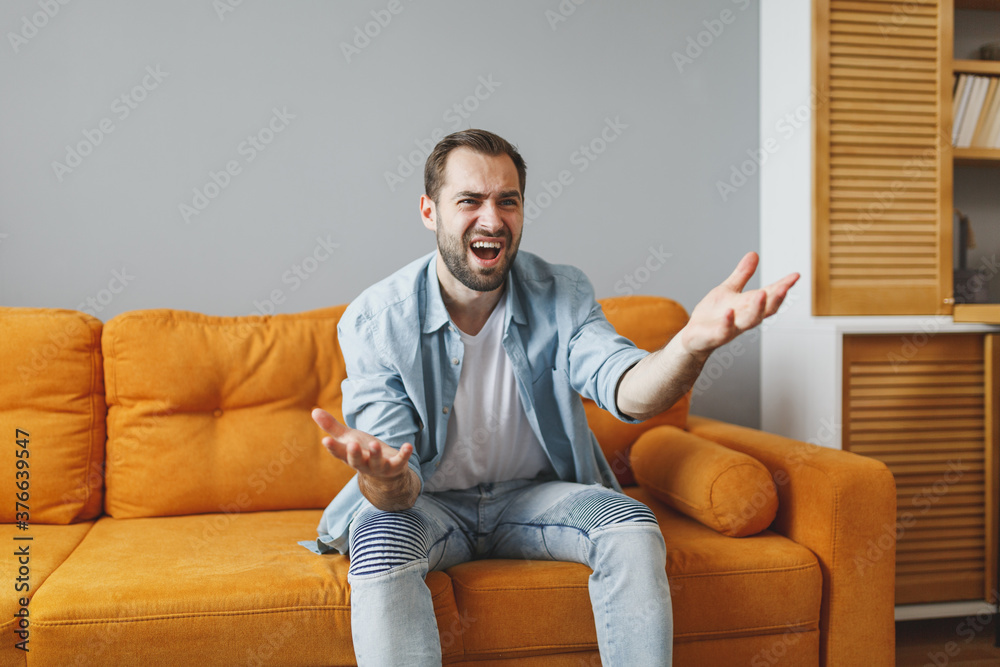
(428, 212)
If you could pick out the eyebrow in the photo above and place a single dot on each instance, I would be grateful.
(468, 194)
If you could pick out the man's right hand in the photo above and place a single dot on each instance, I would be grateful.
(384, 475)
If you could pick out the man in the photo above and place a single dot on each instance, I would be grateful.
(466, 429)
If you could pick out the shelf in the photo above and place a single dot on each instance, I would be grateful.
(976, 157)
(978, 4)
(976, 67)
(983, 313)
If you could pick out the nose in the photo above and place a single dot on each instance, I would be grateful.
(489, 217)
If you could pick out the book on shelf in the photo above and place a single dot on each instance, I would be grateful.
(978, 140)
(976, 111)
(962, 91)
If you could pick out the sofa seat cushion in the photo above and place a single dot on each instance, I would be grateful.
(211, 589)
(48, 547)
(722, 588)
(727, 587)
(520, 608)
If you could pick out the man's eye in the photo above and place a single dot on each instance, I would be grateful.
(467, 201)
(509, 202)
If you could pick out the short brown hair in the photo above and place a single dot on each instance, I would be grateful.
(480, 141)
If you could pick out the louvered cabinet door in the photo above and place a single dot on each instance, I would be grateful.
(926, 405)
(882, 174)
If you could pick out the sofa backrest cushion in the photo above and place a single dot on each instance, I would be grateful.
(722, 488)
(52, 389)
(211, 414)
(649, 322)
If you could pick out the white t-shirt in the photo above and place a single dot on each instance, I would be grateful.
(489, 438)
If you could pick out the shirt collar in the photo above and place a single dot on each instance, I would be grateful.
(436, 313)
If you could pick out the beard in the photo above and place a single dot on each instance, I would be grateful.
(455, 253)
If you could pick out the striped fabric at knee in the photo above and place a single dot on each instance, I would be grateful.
(597, 509)
(384, 540)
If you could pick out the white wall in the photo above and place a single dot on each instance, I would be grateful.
(108, 229)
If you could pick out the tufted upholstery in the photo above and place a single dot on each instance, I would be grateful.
(199, 427)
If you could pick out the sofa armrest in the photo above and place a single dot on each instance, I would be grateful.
(842, 507)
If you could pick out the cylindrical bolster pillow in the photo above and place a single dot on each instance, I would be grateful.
(726, 490)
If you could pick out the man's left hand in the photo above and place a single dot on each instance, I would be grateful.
(727, 311)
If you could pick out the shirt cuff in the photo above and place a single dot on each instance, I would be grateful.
(629, 362)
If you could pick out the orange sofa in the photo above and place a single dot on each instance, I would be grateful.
(167, 466)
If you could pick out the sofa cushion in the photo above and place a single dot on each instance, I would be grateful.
(721, 588)
(47, 547)
(649, 322)
(726, 490)
(212, 589)
(211, 414)
(52, 387)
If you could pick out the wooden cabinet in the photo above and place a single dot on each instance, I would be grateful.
(927, 406)
(882, 177)
(883, 174)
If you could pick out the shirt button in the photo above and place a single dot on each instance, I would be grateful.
(454, 360)
(445, 409)
(451, 328)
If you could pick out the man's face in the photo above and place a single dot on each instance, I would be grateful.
(478, 218)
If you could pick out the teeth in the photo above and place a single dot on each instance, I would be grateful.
(486, 244)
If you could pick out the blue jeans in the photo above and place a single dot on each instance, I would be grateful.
(614, 535)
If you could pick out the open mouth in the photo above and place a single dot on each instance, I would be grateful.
(487, 250)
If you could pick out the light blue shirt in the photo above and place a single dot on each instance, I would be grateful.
(403, 356)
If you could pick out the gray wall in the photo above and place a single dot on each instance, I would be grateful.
(115, 112)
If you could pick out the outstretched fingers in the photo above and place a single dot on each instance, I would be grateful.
(777, 291)
(744, 270)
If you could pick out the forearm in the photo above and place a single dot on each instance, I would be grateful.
(391, 495)
(659, 380)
